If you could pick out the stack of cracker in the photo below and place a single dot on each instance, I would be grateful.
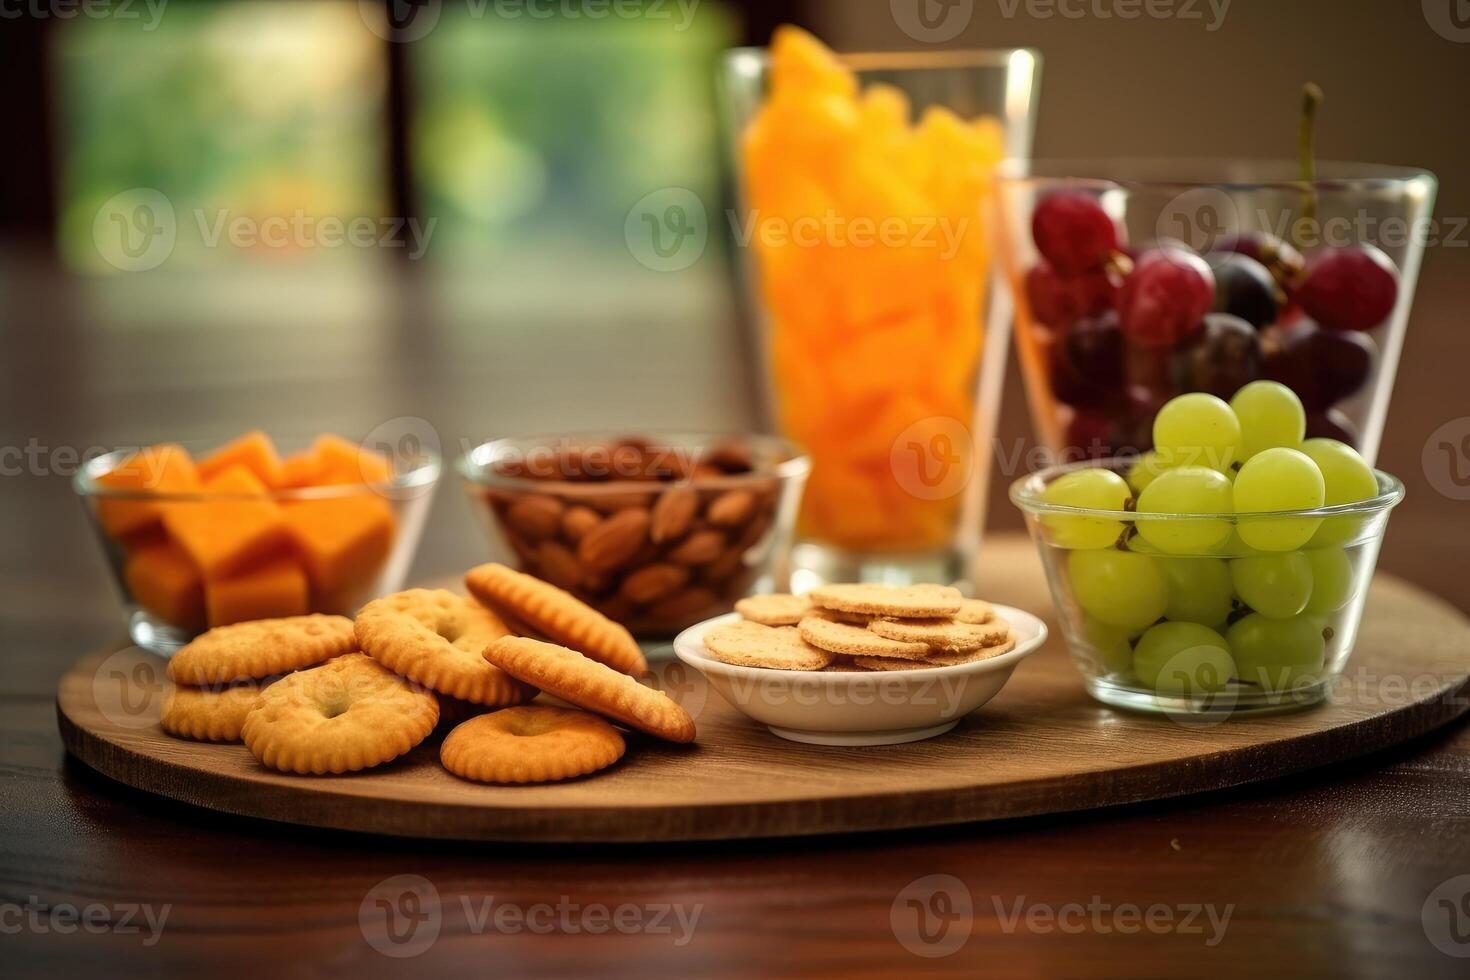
(861, 627)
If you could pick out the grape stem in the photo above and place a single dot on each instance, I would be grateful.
(1312, 99)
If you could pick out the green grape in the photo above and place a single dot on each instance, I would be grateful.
(1095, 489)
(1198, 430)
(1183, 658)
(1276, 480)
(1186, 490)
(1146, 469)
(1271, 415)
(1278, 654)
(1118, 588)
(1236, 546)
(1332, 580)
(1348, 479)
(1199, 589)
(1276, 586)
(1110, 645)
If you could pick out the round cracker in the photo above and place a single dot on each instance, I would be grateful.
(532, 744)
(206, 714)
(856, 641)
(747, 644)
(941, 634)
(971, 656)
(261, 648)
(976, 611)
(780, 609)
(913, 601)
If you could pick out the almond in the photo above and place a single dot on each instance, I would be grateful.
(535, 515)
(612, 503)
(558, 565)
(577, 521)
(725, 565)
(673, 513)
(652, 582)
(731, 508)
(700, 548)
(614, 541)
(682, 606)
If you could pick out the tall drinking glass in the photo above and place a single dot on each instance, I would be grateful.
(864, 227)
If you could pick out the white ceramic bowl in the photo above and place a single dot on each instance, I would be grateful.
(860, 708)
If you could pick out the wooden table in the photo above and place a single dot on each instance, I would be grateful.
(1327, 873)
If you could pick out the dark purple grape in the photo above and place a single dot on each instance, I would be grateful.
(1056, 300)
(1323, 367)
(1220, 356)
(1165, 296)
(1244, 288)
(1283, 261)
(1091, 435)
(1349, 288)
(1332, 424)
(1073, 232)
(1087, 367)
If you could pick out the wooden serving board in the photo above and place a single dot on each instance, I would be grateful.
(1041, 746)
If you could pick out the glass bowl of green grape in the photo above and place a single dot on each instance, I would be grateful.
(1225, 570)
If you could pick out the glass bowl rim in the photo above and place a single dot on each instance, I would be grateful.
(474, 465)
(1354, 176)
(85, 484)
(861, 61)
(1025, 493)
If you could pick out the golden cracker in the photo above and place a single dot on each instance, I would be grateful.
(856, 641)
(557, 615)
(779, 609)
(261, 648)
(907, 601)
(976, 611)
(531, 744)
(941, 634)
(972, 656)
(349, 714)
(436, 638)
(208, 715)
(588, 684)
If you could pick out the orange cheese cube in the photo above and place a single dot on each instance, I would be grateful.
(163, 580)
(343, 542)
(267, 591)
(341, 461)
(300, 469)
(236, 527)
(158, 469)
(254, 451)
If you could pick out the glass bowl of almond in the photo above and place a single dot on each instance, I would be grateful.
(655, 531)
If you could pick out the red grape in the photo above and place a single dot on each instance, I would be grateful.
(1165, 296)
(1056, 300)
(1349, 288)
(1091, 435)
(1332, 424)
(1322, 366)
(1244, 288)
(1087, 370)
(1220, 356)
(1073, 232)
